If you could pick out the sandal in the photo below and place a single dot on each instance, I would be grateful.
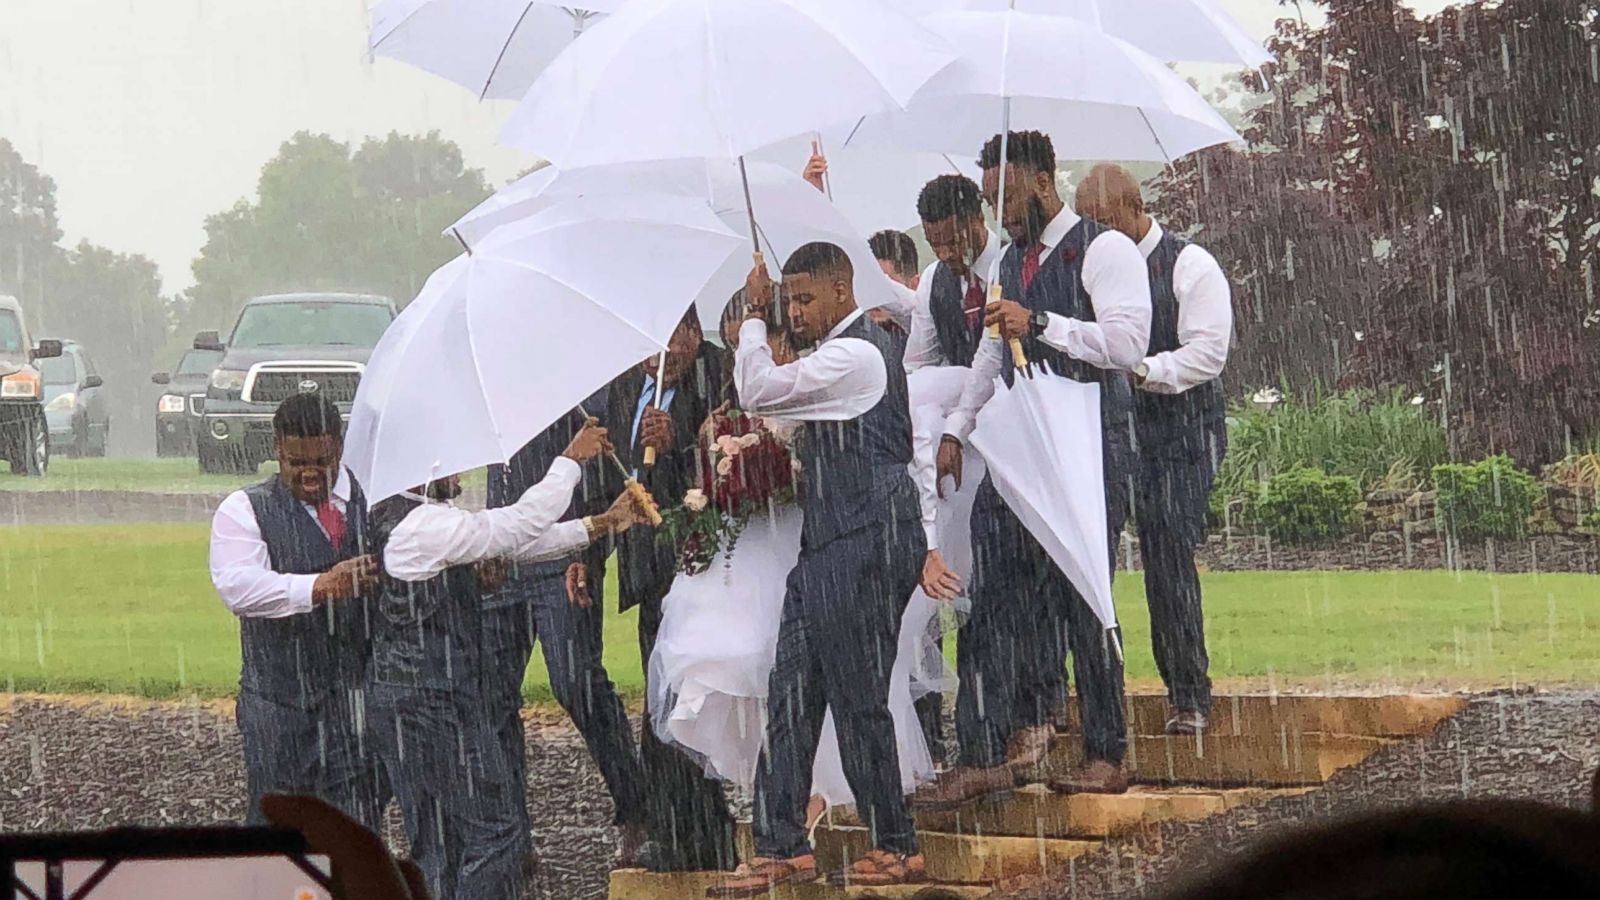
(761, 875)
(880, 868)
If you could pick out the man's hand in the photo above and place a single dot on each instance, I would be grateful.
(949, 462)
(757, 294)
(939, 581)
(578, 586)
(1011, 316)
(492, 575)
(655, 430)
(345, 581)
(630, 509)
(816, 169)
(588, 443)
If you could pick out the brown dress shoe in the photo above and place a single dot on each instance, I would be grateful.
(1096, 777)
(1187, 722)
(1030, 747)
(760, 875)
(880, 868)
(960, 786)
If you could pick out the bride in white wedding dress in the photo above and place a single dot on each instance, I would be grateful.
(718, 639)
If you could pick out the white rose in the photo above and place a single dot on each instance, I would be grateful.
(695, 500)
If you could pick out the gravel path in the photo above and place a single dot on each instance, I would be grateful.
(1512, 746)
(86, 765)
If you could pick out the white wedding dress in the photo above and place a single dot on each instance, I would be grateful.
(719, 632)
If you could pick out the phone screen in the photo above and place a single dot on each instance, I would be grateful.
(226, 878)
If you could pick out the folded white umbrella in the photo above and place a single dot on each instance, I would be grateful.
(494, 48)
(791, 213)
(1041, 440)
(680, 79)
(1170, 30)
(1098, 97)
(504, 341)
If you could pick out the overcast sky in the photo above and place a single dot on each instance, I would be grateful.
(153, 114)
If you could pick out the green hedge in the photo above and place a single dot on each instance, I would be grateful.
(1491, 498)
(1306, 506)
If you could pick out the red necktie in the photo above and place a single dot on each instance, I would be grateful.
(972, 304)
(1030, 264)
(332, 521)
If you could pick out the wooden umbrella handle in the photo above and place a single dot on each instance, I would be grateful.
(649, 456)
(1018, 357)
(651, 510)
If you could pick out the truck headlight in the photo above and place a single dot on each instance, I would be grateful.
(63, 403)
(171, 403)
(20, 386)
(231, 380)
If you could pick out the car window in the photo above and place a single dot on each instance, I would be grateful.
(311, 323)
(62, 369)
(11, 342)
(198, 362)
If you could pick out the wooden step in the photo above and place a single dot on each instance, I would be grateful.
(637, 884)
(1037, 811)
(1286, 759)
(1406, 715)
(960, 858)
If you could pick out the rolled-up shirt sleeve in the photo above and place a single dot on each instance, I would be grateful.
(1117, 280)
(845, 378)
(435, 537)
(241, 567)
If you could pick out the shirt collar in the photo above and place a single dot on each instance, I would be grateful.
(844, 323)
(1057, 230)
(1151, 239)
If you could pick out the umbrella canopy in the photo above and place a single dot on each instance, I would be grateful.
(790, 213)
(1098, 97)
(506, 340)
(682, 79)
(494, 48)
(1041, 441)
(1169, 30)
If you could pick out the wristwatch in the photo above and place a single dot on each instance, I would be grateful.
(1037, 323)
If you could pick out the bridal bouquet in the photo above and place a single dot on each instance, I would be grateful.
(745, 469)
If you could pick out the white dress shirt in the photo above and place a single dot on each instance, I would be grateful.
(436, 535)
(241, 567)
(1205, 320)
(922, 341)
(1118, 282)
(842, 380)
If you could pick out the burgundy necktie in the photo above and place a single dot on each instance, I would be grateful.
(972, 305)
(1030, 264)
(332, 521)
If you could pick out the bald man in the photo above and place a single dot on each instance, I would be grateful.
(1179, 412)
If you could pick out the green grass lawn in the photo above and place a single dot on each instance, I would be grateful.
(156, 476)
(130, 609)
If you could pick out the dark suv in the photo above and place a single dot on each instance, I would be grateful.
(282, 345)
(24, 431)
(178, 410)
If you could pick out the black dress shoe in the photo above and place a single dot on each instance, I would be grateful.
(1187, 722)
(654, 856)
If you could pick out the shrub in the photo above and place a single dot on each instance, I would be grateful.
(1490, 498)
(1306, 505)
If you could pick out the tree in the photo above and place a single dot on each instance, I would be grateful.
(29, 229)
(325, 218)
(1416, 208)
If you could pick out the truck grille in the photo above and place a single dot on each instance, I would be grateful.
(278, 385)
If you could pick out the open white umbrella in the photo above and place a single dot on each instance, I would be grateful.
(504, 341)
(1169, 30)
(1041, 439)
(1096, 96)
(681, 79)
(494, 48)
(793, 213)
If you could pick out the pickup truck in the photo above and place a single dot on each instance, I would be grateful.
(282, 345)
(24, 430)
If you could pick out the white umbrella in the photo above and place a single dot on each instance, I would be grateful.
(494, 48)
(792, 214)
(1170, 30)
(1096, 96)
(1041, 439)
(504, 341)
(681, 79)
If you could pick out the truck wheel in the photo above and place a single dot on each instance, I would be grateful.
(30, 455)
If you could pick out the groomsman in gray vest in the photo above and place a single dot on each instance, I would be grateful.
(947, 317)
(1180, 414)
(288, 558)
(434, 724)
(1077, 295)
(862, 550)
